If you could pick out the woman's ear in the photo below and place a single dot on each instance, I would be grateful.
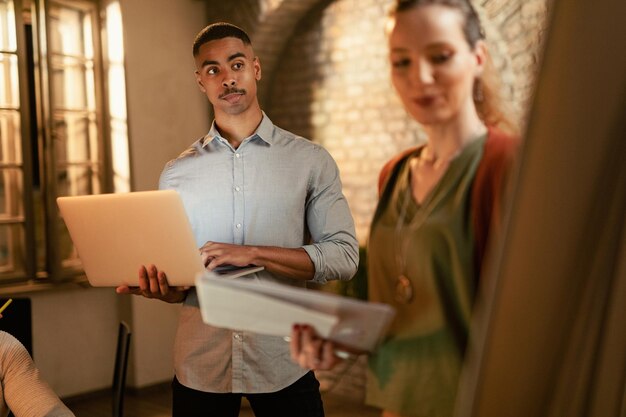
(480, 53)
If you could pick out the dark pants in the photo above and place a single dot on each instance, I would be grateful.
(302, 399)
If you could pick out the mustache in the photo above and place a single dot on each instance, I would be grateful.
(232, 91)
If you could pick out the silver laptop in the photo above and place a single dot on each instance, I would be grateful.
(114, 234)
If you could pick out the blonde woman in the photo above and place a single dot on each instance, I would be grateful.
(438, 203)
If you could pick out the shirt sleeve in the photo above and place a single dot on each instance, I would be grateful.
(23, 389)
(334, 250)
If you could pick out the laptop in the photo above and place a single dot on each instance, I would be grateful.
(114, 234)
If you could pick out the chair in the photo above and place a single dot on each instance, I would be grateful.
(119, 373)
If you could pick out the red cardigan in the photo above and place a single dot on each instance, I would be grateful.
(489, 185)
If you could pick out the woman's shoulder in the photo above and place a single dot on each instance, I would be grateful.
(389, 166)
(500, 144)
(499, 154)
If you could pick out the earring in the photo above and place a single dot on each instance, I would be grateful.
(479, 97)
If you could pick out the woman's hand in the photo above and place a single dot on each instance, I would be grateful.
(310, 351)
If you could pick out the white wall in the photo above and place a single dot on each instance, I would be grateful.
(166, 110)
(74, 331)
(74, 334)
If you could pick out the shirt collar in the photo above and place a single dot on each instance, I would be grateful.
(265, 132)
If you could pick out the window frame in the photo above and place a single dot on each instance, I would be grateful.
(28, 215)
(51, 273)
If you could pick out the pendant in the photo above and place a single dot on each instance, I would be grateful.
(404, 290)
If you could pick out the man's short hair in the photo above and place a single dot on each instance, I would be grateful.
(219, 30)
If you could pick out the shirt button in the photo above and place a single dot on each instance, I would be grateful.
(237, 336)
(238, 226)
(237, 155)
(237, 188)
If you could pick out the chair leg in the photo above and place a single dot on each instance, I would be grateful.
(121, 366)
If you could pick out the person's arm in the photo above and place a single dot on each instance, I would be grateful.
(334, 250)
(291, 263)
(24, 391)
(153, 284)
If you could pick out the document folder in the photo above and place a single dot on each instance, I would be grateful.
(272, 309)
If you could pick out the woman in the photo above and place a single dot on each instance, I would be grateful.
(23, 390)
(430, 229)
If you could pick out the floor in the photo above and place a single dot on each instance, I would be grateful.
(156, 402)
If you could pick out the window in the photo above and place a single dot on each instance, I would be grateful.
(62, 127)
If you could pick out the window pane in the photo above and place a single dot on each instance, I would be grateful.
(76, 138)
(7, 26)
(72, 80)
(67, 251)
(117, 98)
(70, 31)
(11, 194)
(11, 242)
(10, 138)
(9, 89)
(78, 180)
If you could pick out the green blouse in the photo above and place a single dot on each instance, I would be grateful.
(415, 372)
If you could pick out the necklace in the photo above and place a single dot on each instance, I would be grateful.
(403, 232)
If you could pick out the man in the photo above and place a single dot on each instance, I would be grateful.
(255, 194)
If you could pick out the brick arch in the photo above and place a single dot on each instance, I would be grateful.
(273, 32)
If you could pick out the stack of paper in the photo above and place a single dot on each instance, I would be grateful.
(273, 309)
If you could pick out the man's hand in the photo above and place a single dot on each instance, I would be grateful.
(292, 263)
(215, 254)
(153, 284)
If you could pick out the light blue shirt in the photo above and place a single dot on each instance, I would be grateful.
(275, 189)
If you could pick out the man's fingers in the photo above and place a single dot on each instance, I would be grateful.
(143, 278)
(152, 283)
(153, 279)
(206, 246)
(129, 290)
(163, 285)
(123, 289)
